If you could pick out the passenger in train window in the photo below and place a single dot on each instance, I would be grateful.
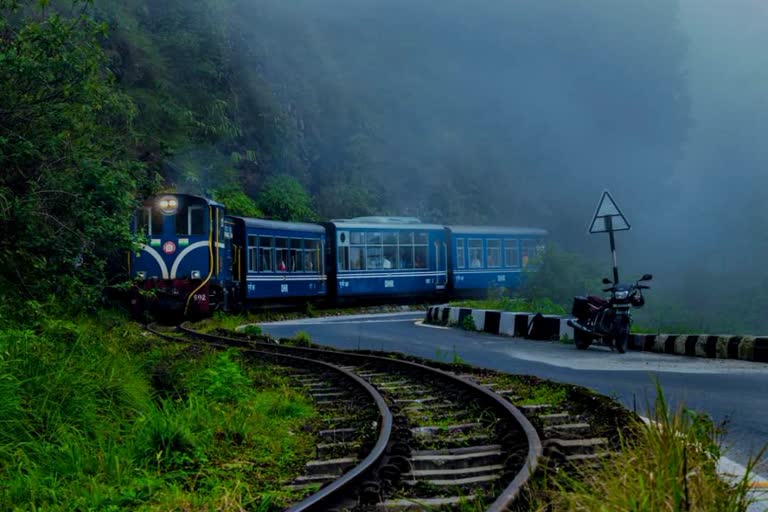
(386, 263)
(281, 267)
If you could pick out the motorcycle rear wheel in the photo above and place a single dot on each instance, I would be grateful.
(581, 339)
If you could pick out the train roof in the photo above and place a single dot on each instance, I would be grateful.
(280, 225)
(210, 202)
(411, 226)
(381, 219)
(496, 230)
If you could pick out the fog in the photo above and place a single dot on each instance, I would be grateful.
(522, 113)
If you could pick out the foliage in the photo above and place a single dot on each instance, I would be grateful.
(252, 330)
(511, 304)
(559, 276)
(670, 464)
(283, 197)
(468, 324)
(302, 339)
(67, 180)
(98, 416)
(236, 202)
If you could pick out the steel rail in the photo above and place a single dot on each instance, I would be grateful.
(333, 492)
(535, 449)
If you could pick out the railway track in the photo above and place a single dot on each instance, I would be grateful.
(448, 443)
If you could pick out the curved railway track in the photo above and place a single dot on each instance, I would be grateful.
(444, 441)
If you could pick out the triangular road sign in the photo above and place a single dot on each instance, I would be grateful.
(608, 217)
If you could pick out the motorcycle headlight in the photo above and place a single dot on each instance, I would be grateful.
(622, 295)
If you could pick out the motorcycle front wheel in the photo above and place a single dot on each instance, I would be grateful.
(621, 340)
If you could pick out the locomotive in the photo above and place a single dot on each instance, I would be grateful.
(194, 258)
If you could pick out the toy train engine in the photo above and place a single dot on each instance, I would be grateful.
(185, 255)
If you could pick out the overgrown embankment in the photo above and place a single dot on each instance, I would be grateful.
(97, 415)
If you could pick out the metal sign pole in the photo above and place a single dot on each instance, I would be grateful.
(609, 227)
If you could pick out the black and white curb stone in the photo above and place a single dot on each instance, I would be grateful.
(535, 326)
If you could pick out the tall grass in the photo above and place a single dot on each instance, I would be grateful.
(669, 464)
(95, 415)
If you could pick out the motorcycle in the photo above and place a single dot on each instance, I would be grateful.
(609, 320)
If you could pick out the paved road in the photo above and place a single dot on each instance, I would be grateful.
(736, 391)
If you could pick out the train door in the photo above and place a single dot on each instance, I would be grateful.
(441, 260)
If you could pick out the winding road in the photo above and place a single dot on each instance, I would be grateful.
(732, 391)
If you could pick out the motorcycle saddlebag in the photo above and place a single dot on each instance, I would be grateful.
(581, 307)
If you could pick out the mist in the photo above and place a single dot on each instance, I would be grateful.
(522, 113)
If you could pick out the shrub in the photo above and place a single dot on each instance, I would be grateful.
(252, 330)
(468, 324)
(302, 339)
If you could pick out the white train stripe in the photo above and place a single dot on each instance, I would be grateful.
(158, 258)
(286, 278)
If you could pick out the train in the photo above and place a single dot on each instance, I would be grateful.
(193, 258)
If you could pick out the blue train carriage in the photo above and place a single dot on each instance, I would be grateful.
(278, 261)
(184, 257)
(386, 257)
(484, 258)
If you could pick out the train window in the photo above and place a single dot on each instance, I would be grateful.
(406, 256)
(150, 222)
(390, 257)
(265, 254)
(420, 238)
(297, 258)
(493, 253)
(356, 238)
(528, 251)
(282, 256)
(475, 253)
(373, 238)
(356, 258)
(420, 256)
(343, 258)
(511, 253)
(461, 262)
(196, 216)
(406, 238)
(182, 221)
(143, 218)
(373, 257)
(390, 238)
(312, 256)
(253, 253)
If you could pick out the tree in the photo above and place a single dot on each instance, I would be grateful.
(283, 197)
(67, 182)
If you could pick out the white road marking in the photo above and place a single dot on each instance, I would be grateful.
(420, 323)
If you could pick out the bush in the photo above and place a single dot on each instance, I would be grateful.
(252, 330)
(559, 276)
(302, 339)
(468, 324)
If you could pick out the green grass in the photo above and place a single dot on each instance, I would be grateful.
(669, 465)
(543, 306)
(100, 416)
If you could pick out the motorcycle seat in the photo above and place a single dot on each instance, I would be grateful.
(597, 301)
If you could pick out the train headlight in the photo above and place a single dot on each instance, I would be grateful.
(168, 205)
(141, 275)
(195, 274)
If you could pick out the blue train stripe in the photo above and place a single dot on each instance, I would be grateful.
(158, 258)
